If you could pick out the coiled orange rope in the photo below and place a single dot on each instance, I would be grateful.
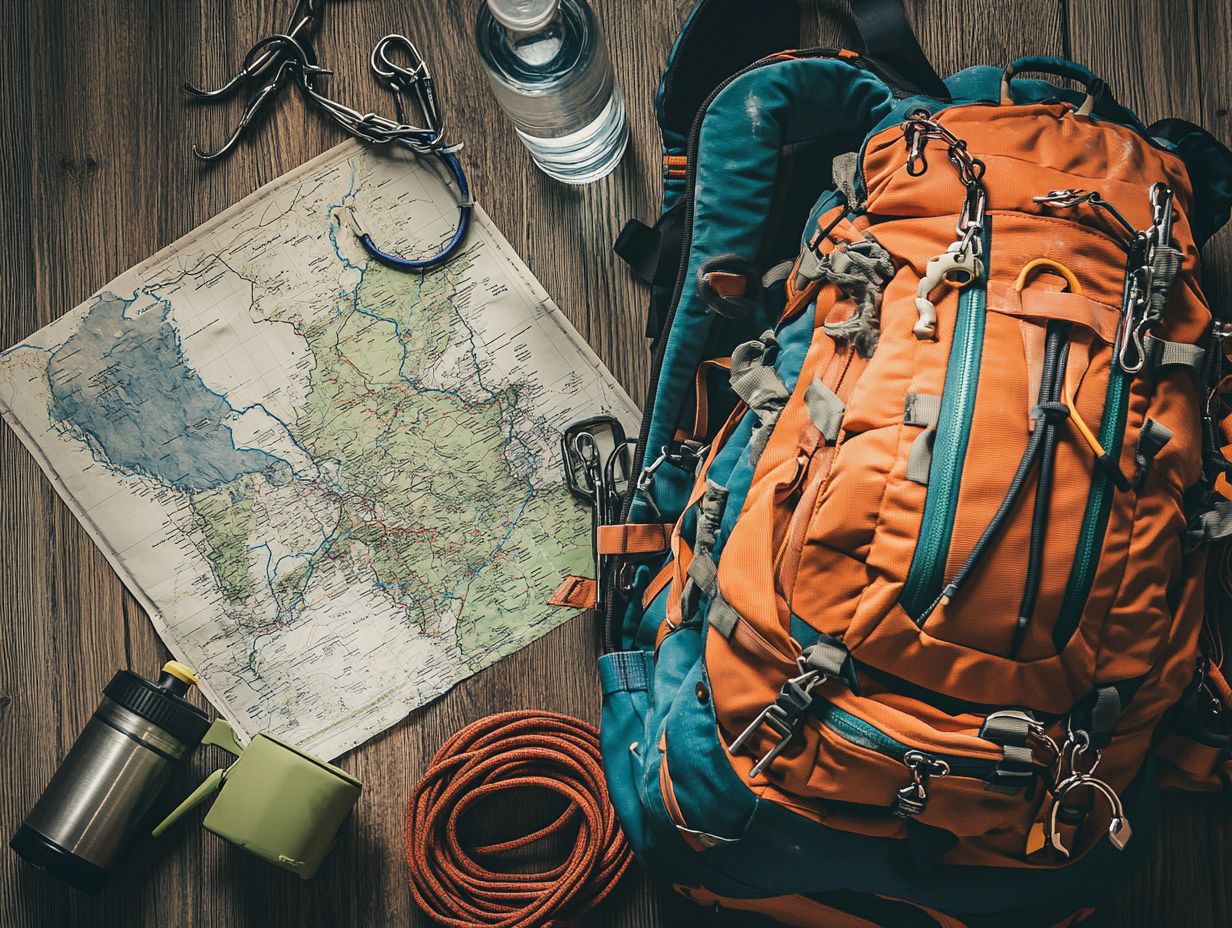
(506, 752)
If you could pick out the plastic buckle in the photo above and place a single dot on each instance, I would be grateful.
(783, 716)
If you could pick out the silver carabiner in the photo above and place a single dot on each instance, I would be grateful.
(1119, 829)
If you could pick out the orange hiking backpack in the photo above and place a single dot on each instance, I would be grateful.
(906, 604)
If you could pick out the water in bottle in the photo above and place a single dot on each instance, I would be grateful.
(550, 72)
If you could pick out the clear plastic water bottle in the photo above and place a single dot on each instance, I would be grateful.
(550, 71)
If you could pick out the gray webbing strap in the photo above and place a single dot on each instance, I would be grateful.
(1011, 731)
(1163, 271)
(1105, 713)
(1213, 525)
(921, 409)
(826, 655)
(776, 274)
(703, 574)
(1160, 353)
(721, 616)
(758, 384)
(1151, 440)
(825, 409)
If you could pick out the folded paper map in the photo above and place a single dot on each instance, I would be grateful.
(336, 488)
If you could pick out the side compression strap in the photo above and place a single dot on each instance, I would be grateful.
(891, 45)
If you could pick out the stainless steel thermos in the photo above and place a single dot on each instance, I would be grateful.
(99, 796)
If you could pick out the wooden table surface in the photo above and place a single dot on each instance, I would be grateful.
(94, 148)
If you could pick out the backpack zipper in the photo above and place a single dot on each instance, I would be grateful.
(686, 242)
(912, 798)
(857, 731)
(927, 572)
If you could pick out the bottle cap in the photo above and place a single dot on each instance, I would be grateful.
(160, 703)
(524, 15)
(181, 672)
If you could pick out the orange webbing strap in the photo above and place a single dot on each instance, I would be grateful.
(507, 752)
(634, 538)
(575, 593)
(701, 389)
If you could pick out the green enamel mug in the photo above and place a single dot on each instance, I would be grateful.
(276, 801)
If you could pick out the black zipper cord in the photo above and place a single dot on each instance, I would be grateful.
(1050, 397)
(1055, 350)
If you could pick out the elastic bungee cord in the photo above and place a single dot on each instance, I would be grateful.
(513, 752)
(276, 60)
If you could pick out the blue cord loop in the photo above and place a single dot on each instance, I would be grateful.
(277, 59)
(446, 254)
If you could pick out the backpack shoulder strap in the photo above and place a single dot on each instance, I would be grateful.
(719, 38)
(890, 44)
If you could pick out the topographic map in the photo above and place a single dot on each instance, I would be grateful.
(335, 487)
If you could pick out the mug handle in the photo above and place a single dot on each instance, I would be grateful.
(209, 786)
(222, 735)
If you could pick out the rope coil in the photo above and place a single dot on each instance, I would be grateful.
(511, 752)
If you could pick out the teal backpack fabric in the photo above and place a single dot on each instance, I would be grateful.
(759, 135)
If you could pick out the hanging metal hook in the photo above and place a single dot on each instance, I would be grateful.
(279, 58)
(292, 62)
(255, 104)
(301, 28)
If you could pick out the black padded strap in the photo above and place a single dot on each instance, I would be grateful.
(720, 38)
(890, 44)
(1209, 163)
(638, 246)
(653, 254)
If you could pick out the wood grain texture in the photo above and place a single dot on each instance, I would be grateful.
(94, 139)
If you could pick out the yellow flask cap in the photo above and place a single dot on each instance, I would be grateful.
(181, 672)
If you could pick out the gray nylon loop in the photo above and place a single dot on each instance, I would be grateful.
(825, 409)
(1151, 440)
(1005, 729)
(921, 409)
(1213, 525)
(1105, 714)
(1163, 271)
(828, 657)
(1019, 755)
(861, 270)
(721, 616)
(843, 170)
(758, 384)
(776, 274)
(703, 574)
(1174, 354)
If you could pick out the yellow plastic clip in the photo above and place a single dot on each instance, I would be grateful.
(1047, 264)
(182, 672)
(1074, 286)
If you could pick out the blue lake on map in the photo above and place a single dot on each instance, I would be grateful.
(124, 383)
